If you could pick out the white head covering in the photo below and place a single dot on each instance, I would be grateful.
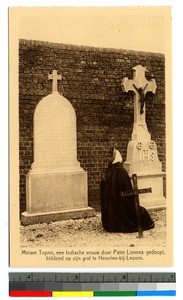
(117, 157)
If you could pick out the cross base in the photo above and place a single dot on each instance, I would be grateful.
(154, 200)
(142, 157)
(140, 132)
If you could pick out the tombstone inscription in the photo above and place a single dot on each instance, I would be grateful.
(56, 185)
(142, 156)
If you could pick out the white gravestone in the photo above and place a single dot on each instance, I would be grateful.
(142, 156)
(56, 185)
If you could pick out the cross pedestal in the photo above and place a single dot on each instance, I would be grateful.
(142, 156)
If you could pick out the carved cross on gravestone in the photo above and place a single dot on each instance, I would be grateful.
(136, 193)
(140, 86)
(55, 77)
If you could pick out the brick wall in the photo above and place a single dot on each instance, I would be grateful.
(91, 81)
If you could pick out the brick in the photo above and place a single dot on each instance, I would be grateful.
(91, 81)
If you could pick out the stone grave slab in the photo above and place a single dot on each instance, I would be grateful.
(56, 185)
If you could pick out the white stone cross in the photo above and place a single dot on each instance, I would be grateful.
(55, 77)
(140, 86)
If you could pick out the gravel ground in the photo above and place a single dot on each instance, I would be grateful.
(89, 232)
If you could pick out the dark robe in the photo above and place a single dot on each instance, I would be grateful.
(119, 213)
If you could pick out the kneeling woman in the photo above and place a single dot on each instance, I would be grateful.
(119, 213)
